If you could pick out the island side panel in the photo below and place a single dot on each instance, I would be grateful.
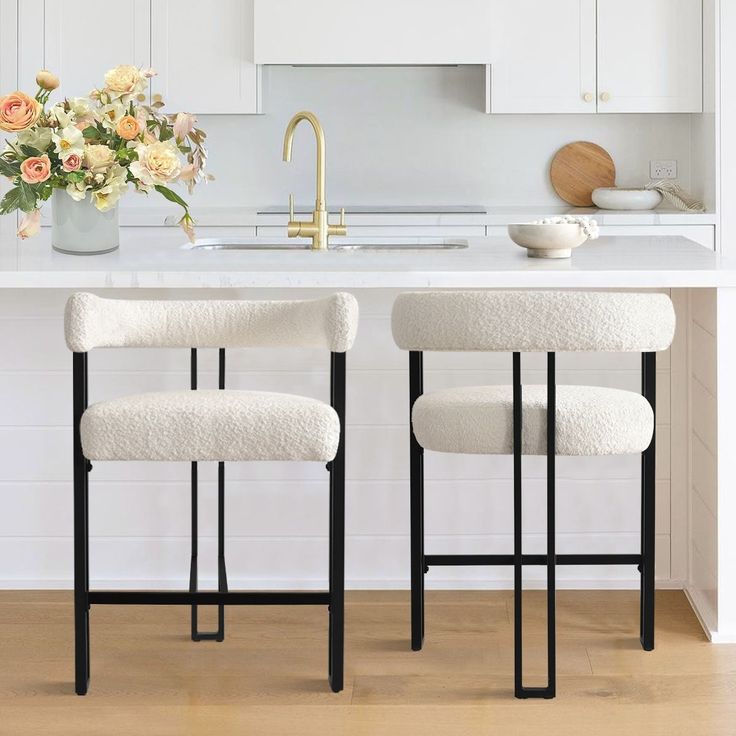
(726, 464)
(703, 450)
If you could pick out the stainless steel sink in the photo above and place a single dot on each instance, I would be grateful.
(373, 244)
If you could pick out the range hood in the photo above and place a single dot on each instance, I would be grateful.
(375, 33)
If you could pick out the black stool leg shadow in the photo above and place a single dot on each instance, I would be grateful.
(222, 587)
(519, 690)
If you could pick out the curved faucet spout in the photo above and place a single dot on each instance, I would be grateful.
(320, 136)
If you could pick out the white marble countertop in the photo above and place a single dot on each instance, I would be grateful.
(155, 258)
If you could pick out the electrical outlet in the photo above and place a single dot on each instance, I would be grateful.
(663, 170)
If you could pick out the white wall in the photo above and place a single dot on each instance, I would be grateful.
(277, 513)
(415, 135)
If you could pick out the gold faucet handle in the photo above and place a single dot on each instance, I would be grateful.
(340, 229)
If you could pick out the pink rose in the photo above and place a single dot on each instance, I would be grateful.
(18, 111)
(30, 224)
(35, 169)
(73, 162)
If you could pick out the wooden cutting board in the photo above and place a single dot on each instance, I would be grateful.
(579, 168)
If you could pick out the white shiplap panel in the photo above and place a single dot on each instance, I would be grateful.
(272, 505)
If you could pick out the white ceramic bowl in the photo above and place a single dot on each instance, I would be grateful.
(547, 241)
(613, 198)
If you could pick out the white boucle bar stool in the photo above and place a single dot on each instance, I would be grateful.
(219, 426)
(546, 420)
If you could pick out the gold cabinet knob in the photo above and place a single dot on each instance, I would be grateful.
(588, 97)
(605, 97)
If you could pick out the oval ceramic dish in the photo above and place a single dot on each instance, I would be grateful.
(547, 241)
(614, 198)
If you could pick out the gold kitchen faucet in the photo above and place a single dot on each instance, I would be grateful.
(319, 228)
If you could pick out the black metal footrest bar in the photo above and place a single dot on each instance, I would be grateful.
(208, 598)
(591, 559)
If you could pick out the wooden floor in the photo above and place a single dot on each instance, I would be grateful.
(269, 676)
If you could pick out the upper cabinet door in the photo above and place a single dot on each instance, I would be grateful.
(73, 40)
(203, 53)
(345, 32)
(546, 57)
(650, 56)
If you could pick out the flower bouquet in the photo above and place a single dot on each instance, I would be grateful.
(96, 147)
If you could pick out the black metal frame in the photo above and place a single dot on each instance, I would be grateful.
(334, 598)
(421, 562)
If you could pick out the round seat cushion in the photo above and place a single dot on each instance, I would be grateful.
(210, 425)
(590, 420)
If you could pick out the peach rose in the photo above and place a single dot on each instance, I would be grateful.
(35, 169)
(30, 224)
(18, 111)
(73, 162)
(128, 128)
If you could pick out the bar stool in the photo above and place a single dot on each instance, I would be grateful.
(498, 420)
(219, 425)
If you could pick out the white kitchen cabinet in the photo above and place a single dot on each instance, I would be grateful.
(607, 56)
(650, 56)
(203, 53)
(545, 58)
(347, 32)
(74, 39)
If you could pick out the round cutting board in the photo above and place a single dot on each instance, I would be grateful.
(579, 168)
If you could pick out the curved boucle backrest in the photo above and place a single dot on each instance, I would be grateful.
(93, 322)
(529, 321)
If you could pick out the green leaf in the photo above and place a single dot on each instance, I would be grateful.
(30, 151)
(171, 196)
(9, 169)
(166, 134)
(91, 132)
(10, 202)
(27, 199)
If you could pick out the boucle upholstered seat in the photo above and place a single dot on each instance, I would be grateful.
(220, 426)
(210, 425)
(582, 420)
(478, 420)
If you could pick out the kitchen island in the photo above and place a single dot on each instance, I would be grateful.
(134, 528)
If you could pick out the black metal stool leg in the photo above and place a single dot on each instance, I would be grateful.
(81, 533)
(336, 635)
(519, 690)
(219, 634)
(416, 462)
(648, 492)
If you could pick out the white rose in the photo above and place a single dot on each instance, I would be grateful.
(76, 191)
(125, 80)
(158, 163)
(38, 138)
(98, 158)
(115, 186)
(64, 118)
(80, 106)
